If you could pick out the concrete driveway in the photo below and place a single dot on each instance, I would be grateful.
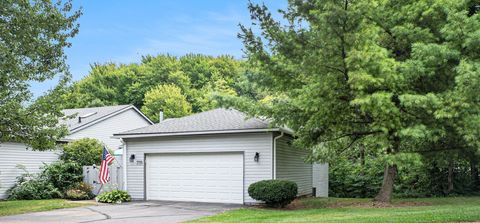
(137, 212)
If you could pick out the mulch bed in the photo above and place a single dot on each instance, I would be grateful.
(378, 204)
(298, 204)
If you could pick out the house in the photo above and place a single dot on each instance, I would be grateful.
(214, 156)
(99, 123)
(102, 122)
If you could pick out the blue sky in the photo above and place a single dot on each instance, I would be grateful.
(123, 31)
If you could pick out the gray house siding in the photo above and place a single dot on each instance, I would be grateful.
(248, 143)
(291, 165)
(105, 129)
(15, 154)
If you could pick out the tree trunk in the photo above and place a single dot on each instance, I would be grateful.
(474, 174)
(362, 155)
(386, 191)
(362, 170)
(450, 177)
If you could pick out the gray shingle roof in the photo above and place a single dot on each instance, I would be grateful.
(93, 114)
(214, 120)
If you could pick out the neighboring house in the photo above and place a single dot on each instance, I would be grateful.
(102, 122)
(214, 156)
(99, 123)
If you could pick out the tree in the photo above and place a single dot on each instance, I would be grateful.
(106, 84)
(199, 77)
(167, 98)
(162, 69)
(33, 36)
(84, 151)
(382, 74)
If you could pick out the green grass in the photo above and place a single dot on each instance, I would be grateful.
(26, 206)
(459, 209)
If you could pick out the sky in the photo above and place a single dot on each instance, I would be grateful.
(122, 31)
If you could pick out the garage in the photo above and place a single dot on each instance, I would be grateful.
(213, 156)
(201, 177)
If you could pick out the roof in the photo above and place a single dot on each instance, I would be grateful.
(83, 117)
(219, 120)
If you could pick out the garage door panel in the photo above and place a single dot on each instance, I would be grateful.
(194, 182)
(203, 177)
(169, 192)
(198, 187)
(207, 174)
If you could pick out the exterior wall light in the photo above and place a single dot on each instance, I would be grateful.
(257, 157)
(132, 157)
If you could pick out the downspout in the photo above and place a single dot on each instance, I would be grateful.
(275, 154)
(124, 160)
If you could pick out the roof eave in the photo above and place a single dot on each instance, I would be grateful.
(100, 119)
(145, 135)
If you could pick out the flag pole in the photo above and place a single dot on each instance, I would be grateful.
(99, 189)
(118, 163)
(101, 159)
(107, 166)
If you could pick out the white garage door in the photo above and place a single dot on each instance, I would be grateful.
(202, 177)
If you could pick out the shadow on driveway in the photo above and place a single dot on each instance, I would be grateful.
(137, 212)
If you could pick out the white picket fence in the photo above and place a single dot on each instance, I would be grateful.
(90, 176)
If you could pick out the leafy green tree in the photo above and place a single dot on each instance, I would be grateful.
(84, 151)
(205, 98)
(210, 76)
(162, 69)
(384, 74)
(105, 85)
(33, 36)
(167, 98)
(203, 69)
(199, 77)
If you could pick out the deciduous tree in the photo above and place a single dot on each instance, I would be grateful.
(167, 98)
(198, 76)
(33, 36)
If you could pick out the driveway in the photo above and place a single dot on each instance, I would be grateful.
(137, 212)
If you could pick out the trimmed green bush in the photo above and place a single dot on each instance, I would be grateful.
(114, 196)
(275, 193)
(29, 187)
(85, 152)
(81, 191)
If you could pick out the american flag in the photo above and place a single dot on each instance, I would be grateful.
(107, 159)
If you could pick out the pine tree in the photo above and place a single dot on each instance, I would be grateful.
(387, 74)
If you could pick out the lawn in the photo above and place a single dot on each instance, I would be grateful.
(453, 209)
(26, 206)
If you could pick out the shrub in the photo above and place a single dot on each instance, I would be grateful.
(81, 191)
(114, 196)
(54, 179)
(29, 187)
(355, 179)
(63, 175)
(275, 193)
(85, 152)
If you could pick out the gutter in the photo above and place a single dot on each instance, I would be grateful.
(275, 154)
(143, 135)
(124, 164)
